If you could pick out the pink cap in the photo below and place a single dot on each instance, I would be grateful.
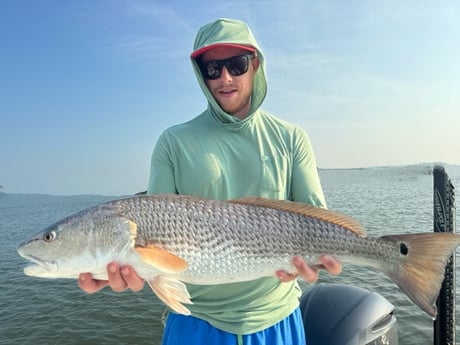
(202, 50)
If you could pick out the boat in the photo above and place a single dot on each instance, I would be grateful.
(339, 314)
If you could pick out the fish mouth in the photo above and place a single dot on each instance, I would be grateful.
(41, 269)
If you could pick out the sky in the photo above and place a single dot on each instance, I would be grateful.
(87, 86)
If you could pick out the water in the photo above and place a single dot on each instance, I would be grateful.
(45, 311)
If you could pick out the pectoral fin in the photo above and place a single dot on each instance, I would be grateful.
(172, 292)
(161, 259)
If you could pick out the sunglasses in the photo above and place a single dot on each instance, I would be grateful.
(236, 65)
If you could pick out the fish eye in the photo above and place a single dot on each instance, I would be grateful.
(50, 236)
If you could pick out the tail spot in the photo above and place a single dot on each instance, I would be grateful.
(403, 248)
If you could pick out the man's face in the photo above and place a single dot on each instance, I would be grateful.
(233, 93)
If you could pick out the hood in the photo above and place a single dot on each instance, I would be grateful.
(231, 32)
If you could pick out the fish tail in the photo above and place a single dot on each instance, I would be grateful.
(421, 274)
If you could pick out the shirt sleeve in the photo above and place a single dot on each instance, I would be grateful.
(306, 185)
(161, 178)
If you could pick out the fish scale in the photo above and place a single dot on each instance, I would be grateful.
(170, 240)
(250, 235)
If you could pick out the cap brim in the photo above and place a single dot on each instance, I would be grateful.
(203, 50)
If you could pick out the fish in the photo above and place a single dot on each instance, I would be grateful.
(174, 240)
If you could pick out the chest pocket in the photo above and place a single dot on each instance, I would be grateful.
(275, 177)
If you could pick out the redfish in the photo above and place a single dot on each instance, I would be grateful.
(171, 240)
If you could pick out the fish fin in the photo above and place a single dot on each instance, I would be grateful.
(172, 292)
(422, 272)
(306, 210)
(161, 259)
(132, 228)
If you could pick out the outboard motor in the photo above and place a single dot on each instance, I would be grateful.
(338, 314)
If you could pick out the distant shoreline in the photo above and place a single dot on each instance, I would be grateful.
(415, 165)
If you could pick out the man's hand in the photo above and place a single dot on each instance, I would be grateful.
(124, 277)
(120, 279)
(310, 273)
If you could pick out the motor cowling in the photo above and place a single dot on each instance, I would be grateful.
(338, 314)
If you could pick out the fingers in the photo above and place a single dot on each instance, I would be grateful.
(90, 285)
(134, 282)
(331, 265)
(123, 277)
(307, 273)
(310, 273)
(116, 281)
(119, 279)
(285, 276)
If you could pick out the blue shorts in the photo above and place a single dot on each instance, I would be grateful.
(181, 329)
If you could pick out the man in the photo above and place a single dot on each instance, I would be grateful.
(233, 149)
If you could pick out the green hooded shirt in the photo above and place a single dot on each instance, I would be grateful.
(218, 156)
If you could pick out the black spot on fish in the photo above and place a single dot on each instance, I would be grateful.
(403, 249)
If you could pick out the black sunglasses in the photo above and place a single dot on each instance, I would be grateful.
(236, 65)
